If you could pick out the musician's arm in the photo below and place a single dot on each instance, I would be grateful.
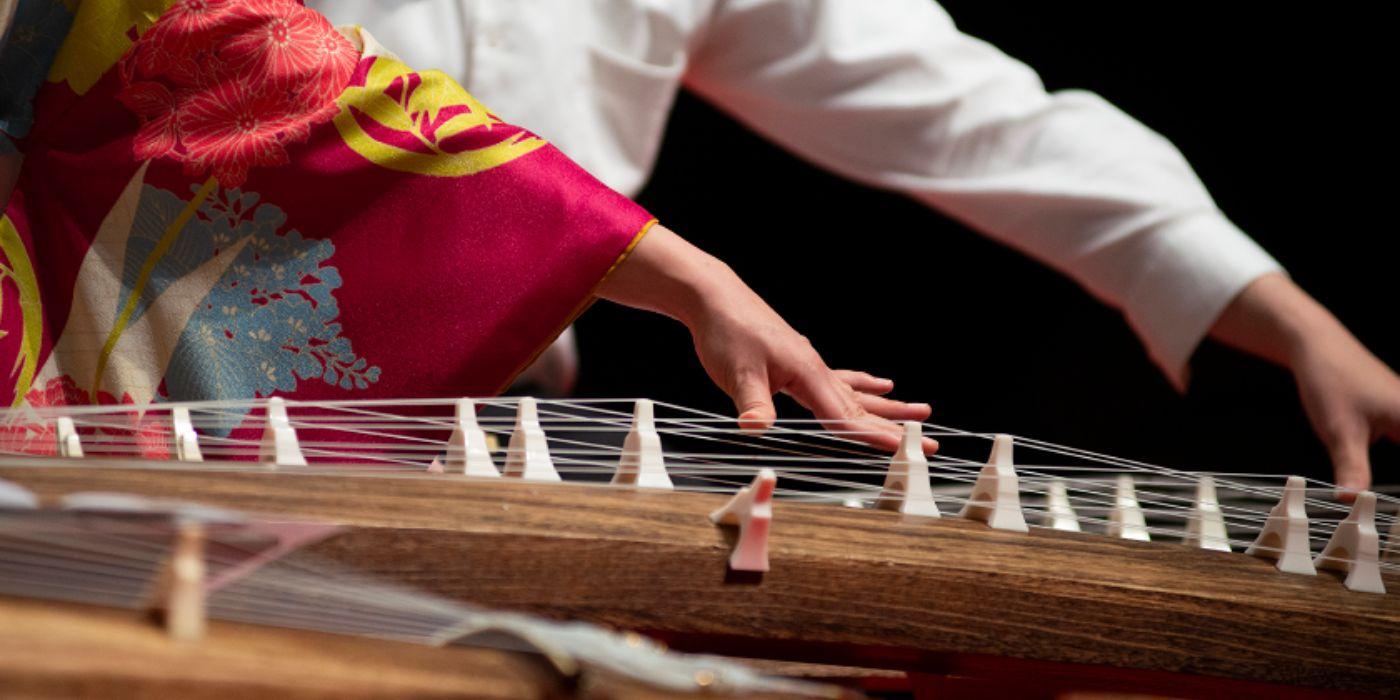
(1351, 397)
(893, 95)
(747, 348)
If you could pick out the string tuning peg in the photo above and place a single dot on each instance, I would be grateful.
(907, 488)
(69, 444)
(527, 455)
(178, 594)
(996, 497)
(467, 449)
(751, 509)
(1284, 536)
(1355, 547)
(1205, 526)
(1126, 520)
(184, 441)
(1059, 514)
(642, 463)
(280, 446)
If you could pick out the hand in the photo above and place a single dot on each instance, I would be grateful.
(748, 350)
(751, 353)
(1350, 396)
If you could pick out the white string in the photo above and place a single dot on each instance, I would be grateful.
(789, 446)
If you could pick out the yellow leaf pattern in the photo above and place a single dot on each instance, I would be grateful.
(436, 127)
(92, 47)
(16, 268)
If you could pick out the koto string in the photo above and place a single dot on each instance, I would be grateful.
(688, 463)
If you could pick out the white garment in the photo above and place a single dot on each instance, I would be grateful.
(885, 92)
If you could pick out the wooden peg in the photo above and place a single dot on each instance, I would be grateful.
(467, 449)
(907, 488)
(69, 445)
(1205, 526)
(184, 441)
(751, 509)
(1059, 514)
(527, 456)
(1126, 520)
(996, 497)
(642, 464)
(1355, 547)
(1284, 536)
(177, 596)
(280, 447)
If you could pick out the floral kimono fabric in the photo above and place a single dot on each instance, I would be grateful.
(230, 199)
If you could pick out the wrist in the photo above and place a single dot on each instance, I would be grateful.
(667, 275)
(1299, 321)
(1275, 319)
(709, 285)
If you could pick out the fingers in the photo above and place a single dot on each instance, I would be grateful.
(753, 397)
(893, 410)
(869, 390)
(1351, 461)
(859, 416)
(865, 382)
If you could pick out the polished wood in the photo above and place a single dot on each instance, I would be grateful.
(62, 650)
(65, 650)
(865, 588)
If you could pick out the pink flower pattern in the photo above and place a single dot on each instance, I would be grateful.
(231, 128)
(223, 86)
(134, 434)
(155, 104)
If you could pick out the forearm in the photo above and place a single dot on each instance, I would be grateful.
(667, 275)
(1273, 318)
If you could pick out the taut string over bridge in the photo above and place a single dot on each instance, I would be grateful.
(644, 444)
(186, 561)
(656, 517)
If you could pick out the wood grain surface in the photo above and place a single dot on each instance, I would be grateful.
(63, 650)
(865, 588)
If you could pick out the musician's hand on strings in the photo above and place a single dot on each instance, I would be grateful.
(1350, 396)
(749, 350)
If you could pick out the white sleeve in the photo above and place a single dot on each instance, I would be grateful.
(891, 94)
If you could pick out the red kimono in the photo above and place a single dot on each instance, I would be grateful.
(230, 199)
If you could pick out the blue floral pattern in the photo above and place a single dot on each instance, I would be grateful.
(270, 320)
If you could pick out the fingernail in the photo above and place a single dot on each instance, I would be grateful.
(753, 424)
(1347, 489)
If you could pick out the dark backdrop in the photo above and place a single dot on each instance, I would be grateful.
(1281, 114)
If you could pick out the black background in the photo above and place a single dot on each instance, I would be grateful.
(1285, 116)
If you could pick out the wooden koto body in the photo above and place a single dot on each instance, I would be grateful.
(65, 650)
(858, 587)
(50, 649)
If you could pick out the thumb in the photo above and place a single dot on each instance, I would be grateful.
(754, 400)
(1351, 461)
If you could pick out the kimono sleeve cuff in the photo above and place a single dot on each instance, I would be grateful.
(1197, 266)
(582, 305)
